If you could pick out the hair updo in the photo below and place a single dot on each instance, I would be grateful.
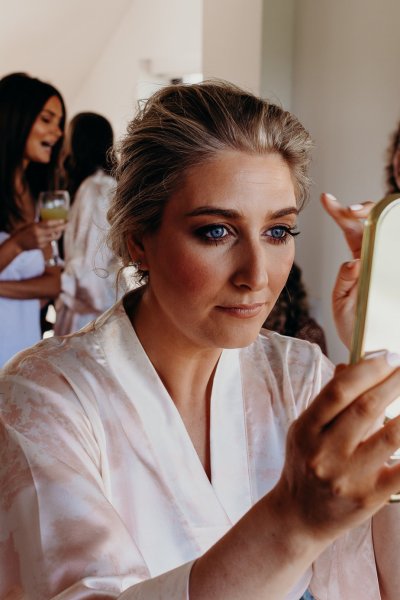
(181, 126)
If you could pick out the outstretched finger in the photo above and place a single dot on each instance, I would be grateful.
(374, 452)
(346, 386)
(349, 218)
(355, 424)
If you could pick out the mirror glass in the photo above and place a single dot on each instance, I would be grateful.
(377, 325)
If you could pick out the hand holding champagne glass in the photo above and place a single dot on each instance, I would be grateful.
(54, 206)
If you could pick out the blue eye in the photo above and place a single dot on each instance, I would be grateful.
(278, 232)
(213, 233)
(281, 234)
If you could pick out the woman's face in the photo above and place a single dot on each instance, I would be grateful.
(223, 251)
(45, 132)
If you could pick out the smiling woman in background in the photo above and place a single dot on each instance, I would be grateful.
(169, 450)
(32, 116)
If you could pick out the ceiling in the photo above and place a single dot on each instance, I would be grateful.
(57, 40)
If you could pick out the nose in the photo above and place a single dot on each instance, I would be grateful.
(58, 131)
(251, 269)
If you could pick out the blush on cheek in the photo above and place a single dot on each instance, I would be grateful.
(194, 275)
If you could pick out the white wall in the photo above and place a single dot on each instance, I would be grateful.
(155, 41)
(278, 23)
(232, 41)
(346, 90)
(102, 55)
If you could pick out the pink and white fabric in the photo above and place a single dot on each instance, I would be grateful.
(102, 494)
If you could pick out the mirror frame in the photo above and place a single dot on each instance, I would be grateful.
(367, 252)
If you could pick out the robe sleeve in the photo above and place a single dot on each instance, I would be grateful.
(89, 275)
(60, 536)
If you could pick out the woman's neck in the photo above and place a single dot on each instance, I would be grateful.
(186, 372)
(181, 365)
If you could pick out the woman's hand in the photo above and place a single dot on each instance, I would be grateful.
(351, 221)
(38, 235)
(336, 474)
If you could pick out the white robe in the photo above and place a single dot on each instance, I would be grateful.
(88, 282)
(102, 494)
(19, 319)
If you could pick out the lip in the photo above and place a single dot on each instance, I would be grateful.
(243, 311)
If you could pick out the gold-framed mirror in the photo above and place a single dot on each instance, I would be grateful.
(377, 324)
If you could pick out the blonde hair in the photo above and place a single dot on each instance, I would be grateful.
(181, 126)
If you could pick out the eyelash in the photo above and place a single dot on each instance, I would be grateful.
(203, 231)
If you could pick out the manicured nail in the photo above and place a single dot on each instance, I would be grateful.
(356, 207)
(332, 198)
(393, 359)
(374, 354)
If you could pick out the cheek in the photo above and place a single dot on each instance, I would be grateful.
(194, 273)
(279, 272)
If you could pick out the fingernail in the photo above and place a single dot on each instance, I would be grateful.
(393, 359)
(374, 354)
(332, 197)
(351, 263)
(356, 207)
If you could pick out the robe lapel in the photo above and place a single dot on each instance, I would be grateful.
(229, 458)
(173, 454)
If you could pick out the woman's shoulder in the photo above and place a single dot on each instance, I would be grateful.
(276, 344)
(98, 182)
(290, 358)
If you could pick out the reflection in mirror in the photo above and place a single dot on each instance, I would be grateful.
(377, 323)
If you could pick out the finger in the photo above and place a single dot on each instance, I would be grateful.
(365, 414)
(361, 211)
(346, 386)
(346, 280)
(350, 221)
(51, 224)
(389, 480)
(377, 449)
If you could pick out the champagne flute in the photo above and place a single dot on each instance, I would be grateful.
(53, 206)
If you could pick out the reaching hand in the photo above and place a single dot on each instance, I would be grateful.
(336, 473)
(351, 221)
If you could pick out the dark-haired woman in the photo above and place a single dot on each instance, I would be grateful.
(393, 163)
(89, 276)
(32, 115)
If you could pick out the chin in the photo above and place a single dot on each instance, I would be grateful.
(237, 338)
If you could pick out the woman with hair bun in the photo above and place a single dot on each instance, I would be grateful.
(170, 450)
(32, 116)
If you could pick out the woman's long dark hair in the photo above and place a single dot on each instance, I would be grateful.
(291, 308)
(391, 184)
(21, 100)
(91, 141)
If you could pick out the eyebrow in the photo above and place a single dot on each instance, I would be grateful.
(47, 110)
(234, 214)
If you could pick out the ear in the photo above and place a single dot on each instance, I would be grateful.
(137, 252)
